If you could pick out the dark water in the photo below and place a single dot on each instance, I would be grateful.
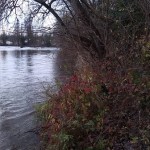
(22, 76)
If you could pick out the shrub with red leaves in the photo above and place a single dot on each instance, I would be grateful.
(108, 109)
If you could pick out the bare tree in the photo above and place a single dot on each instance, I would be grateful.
(93, 23)
(45, 7)
(17, 32)
(29, 29)
(3, 37)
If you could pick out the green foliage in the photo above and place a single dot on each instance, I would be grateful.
(136, 76)
(128, 13)
(100, 145)
(146, 52)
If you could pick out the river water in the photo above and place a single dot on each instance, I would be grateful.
(23, 72)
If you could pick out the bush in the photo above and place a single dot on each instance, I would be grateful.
(105, 109)
(74, 114)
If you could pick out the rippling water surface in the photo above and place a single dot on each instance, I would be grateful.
(22, 74)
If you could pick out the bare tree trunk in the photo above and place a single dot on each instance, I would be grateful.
(96, 37)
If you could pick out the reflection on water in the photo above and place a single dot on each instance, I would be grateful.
(22, 74)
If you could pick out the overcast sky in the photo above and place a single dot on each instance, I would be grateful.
(8, 26)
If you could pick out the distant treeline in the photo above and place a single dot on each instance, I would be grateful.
(26, 40)
(25, 35)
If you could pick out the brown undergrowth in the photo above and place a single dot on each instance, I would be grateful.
(106, 108)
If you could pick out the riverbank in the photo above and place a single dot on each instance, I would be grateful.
(106, 108)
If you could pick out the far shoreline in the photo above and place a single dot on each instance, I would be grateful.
(10, 48)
